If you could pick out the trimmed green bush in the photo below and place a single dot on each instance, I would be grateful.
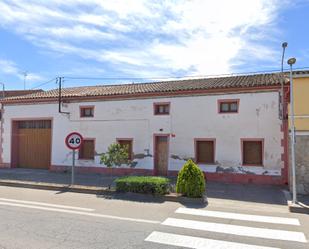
(143, 184)
(190, 180)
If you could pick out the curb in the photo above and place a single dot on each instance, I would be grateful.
(54, 186)
(172, 197)
(297, 207)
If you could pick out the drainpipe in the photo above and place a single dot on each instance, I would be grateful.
(59, 80)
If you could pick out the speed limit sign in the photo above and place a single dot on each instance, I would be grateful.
(74, 140)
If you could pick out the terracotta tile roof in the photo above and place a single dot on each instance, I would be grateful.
(14, 93)
(167, 87)
(304, 73)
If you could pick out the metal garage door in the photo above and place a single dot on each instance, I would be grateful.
(34, 144)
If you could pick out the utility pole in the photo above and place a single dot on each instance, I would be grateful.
(292, 61)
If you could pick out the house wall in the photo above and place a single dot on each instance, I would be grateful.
(301, 111)
(301, 163)
(301, 103)
(190, 117)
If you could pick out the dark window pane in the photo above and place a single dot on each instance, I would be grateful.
(224, 107)
(228, 107)
(87, 112)
(162, 109)
(233, 107)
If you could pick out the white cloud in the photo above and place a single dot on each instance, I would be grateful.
(150, 37)
(10, 68)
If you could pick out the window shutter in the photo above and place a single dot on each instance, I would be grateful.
(205, 151)
(252, 152)
(87, 150)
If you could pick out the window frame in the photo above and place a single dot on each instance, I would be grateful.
(196, 140)
(82, 107)
(155, 106)
(131, 155)
(261, 140)
(94, 153)
(228, 101)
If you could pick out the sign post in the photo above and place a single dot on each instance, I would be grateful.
(73, 141)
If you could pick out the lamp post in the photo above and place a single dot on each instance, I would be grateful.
(281, 114)
(292, 61)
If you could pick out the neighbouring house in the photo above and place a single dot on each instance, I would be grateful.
(14, 93)
(301, 111)
(230, 126)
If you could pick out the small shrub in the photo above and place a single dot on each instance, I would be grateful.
(190, 180)
(143, 184)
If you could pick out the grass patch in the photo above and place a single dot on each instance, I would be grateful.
(143, 184)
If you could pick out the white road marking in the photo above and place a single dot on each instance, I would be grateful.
(197, 242)
(237, 230)
(79, 213)
(237, 216)
(47, 204)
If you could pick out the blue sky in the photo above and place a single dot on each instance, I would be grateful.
(146, 39)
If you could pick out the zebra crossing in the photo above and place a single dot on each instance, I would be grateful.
(202, 220)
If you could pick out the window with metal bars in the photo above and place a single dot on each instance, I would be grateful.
(87, 111)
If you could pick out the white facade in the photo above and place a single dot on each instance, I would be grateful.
(190, 117)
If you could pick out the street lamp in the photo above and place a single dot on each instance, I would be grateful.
(281, 109)
(292, 61)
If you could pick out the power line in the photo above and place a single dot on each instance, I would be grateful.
(42, 84)
(163, 77)
(175, 77)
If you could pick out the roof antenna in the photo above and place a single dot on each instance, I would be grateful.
(25, 74)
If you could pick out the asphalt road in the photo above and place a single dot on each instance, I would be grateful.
(47, 219)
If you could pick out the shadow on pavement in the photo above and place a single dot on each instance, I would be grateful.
(268, 194)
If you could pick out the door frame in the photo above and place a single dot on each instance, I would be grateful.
(167, 135)
(14, 138)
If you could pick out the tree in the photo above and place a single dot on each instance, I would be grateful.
(190, 180)
(116, 155)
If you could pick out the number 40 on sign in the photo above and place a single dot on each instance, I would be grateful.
(73, 141)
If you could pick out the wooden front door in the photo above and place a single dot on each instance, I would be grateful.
(161, 155)
(34, 144)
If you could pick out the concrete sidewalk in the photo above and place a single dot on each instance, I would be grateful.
(98, 183)
(45, 176)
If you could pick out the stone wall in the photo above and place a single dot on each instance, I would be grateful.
(302, 163)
